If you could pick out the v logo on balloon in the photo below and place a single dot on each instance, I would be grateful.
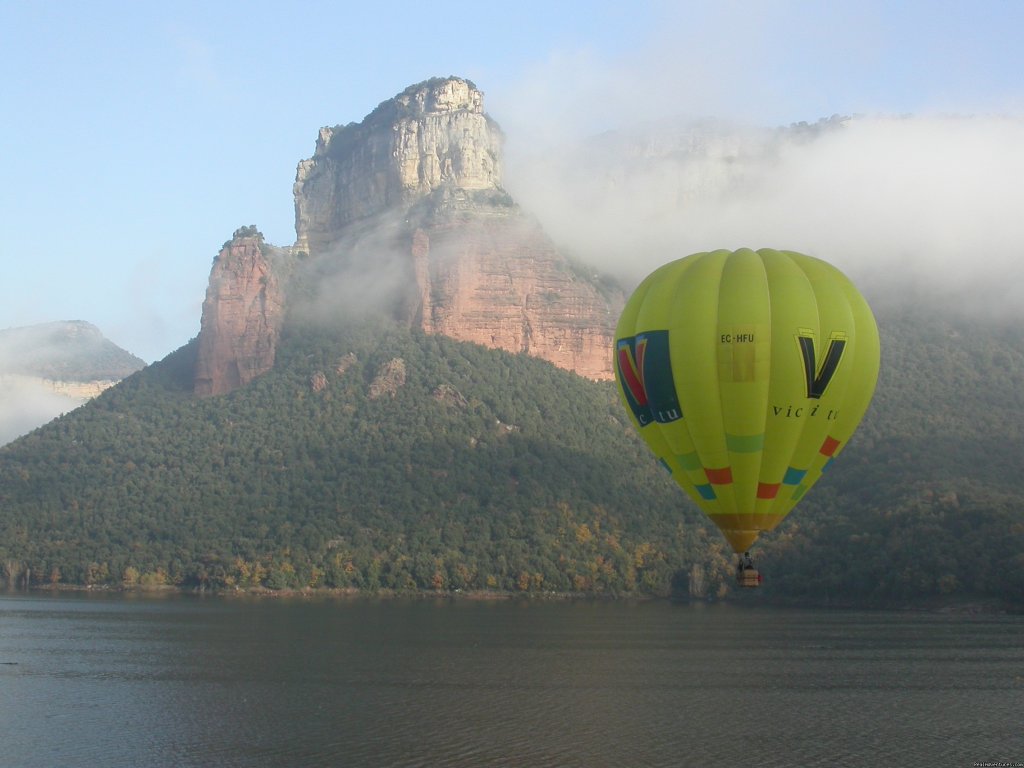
(629, 358)
(818, 378)
(645, 376)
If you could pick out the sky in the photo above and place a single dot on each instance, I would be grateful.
(136, 137)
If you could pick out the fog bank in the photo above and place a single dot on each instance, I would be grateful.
(932, 201)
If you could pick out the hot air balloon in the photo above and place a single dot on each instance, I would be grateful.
(746, 373)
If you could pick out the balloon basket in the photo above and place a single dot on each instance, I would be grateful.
(749, 578)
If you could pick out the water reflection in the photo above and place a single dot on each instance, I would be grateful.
(189, 681)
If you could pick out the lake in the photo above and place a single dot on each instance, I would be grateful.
(120, 680)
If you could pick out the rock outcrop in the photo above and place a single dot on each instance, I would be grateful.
(499, 281)
(431, 134)
(389, 379)
(476, 267)
(242, 317)
(404, 214)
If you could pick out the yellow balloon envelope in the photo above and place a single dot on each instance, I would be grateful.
(746, 372)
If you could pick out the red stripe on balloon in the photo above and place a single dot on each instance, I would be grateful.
(721, 476)
(630, 377)
(828, 448)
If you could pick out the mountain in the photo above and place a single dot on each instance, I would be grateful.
(405, 211)
(52, 368)
(411, 397)
(369, 456)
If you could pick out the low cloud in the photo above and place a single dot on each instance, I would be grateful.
(365, 274)
(928, 201)
(26, 403)
(681, 142)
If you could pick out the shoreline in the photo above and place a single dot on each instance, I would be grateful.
(965, 606)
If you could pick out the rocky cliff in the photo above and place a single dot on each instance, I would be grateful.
(242, 316)
(431, 135)
(499, 281)
(405, 213)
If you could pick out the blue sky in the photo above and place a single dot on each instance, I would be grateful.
(137, 136)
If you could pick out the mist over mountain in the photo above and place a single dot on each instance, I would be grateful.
(404, 215)
(51, 368)
(927, 204)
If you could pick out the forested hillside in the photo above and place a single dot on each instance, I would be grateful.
(374, 458)
(369, 461)
(928, 500)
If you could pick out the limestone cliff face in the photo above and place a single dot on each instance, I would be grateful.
(242, 317)
(431, 134)
(404, 214)
(481, 270)
(498, 281)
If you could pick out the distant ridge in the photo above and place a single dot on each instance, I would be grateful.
(71, 350)
(51, 368)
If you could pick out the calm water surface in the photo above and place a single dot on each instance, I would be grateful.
(188, 681)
